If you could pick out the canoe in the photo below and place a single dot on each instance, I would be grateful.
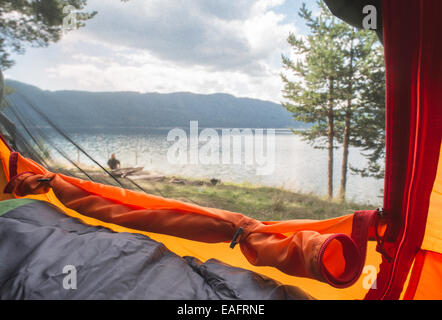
(123, 172)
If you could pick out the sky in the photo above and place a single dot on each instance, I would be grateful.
(200, 46)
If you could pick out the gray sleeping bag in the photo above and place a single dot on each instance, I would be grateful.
(45, 254)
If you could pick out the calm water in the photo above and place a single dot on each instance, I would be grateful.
(297, 165)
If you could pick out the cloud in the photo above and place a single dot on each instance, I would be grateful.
(169, 45)
(218, 34)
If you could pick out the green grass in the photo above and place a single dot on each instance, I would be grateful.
(259, 202)
(263, 203)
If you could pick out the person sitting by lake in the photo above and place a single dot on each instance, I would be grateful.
(113, 162)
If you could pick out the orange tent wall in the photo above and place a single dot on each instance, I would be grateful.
(426, 277)
(433, 230)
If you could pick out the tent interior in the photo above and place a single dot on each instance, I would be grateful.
(132, 245)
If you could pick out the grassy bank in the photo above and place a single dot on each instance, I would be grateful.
(259, 202)
(263, 203)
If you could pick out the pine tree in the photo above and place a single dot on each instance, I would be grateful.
(314, 95)
(364, 98)
(369, 119)
(36, 23)
(337, 85)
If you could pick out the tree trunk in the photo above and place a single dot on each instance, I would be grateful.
(331, 134)
(347, 124)
(345, 152)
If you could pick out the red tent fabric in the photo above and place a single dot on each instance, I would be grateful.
(413, 51)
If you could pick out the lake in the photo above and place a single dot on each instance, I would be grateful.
(295, 165)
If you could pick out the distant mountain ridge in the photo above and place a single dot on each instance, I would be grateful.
(83, 109)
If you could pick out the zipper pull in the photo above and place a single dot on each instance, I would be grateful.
(380, 240)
